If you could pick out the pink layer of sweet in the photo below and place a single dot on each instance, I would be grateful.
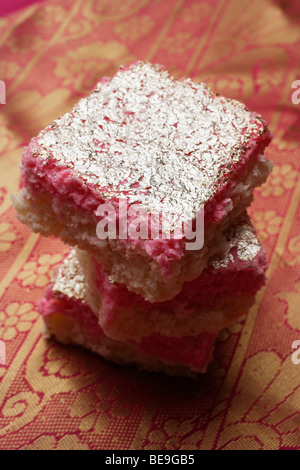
(190, 351)
(72, 308)
(207, 292)
(61, 182)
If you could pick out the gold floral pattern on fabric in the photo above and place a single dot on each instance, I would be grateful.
(62, 397)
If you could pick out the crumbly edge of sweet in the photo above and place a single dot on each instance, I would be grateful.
(115, 351)
(68, 285)
(134, 324)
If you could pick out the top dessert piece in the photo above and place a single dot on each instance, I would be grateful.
(168, 148)
(146, 137)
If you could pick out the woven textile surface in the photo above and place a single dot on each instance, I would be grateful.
(58, 397)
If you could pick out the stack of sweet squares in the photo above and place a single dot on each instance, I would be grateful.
(149, 178)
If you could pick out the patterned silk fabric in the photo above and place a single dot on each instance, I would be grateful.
(59, 397)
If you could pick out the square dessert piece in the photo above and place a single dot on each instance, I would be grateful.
(129, 172)
(68, 317)
(224, 291)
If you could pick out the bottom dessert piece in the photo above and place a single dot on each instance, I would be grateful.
(69, 318)
(224, 291)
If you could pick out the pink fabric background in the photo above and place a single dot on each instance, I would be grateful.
(56, 397)
(9, 6)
